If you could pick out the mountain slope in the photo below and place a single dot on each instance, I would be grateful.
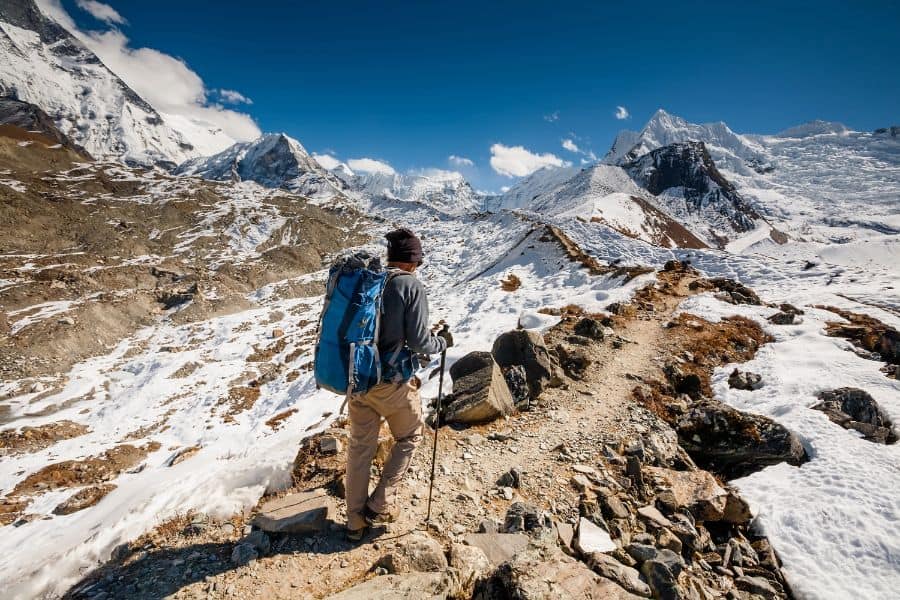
(738, 152)
(274, 160)
(446, 191)
(685, 179)
(606, 194)
(45, 65)
(527, 189)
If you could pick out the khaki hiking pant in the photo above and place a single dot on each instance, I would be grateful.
(399, 404)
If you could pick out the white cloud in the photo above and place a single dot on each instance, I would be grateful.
(166, 82)
(326, 160)
(517, 161)
(571, 146)
(460, 161)
(552, 117)
(233, 97)
(504, 188)
(101, 12)
(622, 113)
(370, 165)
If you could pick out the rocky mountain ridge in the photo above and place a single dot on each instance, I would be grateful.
(45, 65)
(274, 160)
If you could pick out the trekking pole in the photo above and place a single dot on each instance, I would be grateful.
(437, 428)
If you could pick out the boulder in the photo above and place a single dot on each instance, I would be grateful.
(300, 512)
(428, 586)
(783, 318)
(734, 292)
(417, 552)
(259, 540)
(737, 511)
(574, 362)
(480, 393)
(592, 538)
(522, 517)
(853, 408)
(695, 491)
(243, 554)
(471, 565)
(735, 444)
(627, 577)
(651, 515)
(517, 382)
(641, 552)
(744, 380)
(546, 573)
(498, 547)
(661, 573)
(590, 328)
(525, 347)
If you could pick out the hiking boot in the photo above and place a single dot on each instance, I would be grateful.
(375, 519)
(356, 535)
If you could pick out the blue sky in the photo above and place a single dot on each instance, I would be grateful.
(413, 83)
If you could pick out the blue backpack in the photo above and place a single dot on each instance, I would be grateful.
(346, 356)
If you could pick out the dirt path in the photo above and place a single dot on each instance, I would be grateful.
(570, 428)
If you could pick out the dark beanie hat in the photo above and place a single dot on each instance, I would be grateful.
(404, 246)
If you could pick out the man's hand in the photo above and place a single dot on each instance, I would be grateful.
(445, 333)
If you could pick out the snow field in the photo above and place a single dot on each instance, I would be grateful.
(833, 520)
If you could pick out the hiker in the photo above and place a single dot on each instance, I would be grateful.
(404, 332)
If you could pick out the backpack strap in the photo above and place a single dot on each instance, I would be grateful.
(392, 361)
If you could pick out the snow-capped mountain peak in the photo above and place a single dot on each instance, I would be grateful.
(273, 160)
(45, 65)
(738, 152)
(446, 191)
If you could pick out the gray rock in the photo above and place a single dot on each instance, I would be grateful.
(329, 445)
(517, 382)
(301, 512)
(480, 393)
(512, 478)
(243, 554)
(471, 565)
(590, 328)
(526, 348)
(669, 541)
(744, 380)
(498, 547)
(428, 586)
(853, 408)
(784, 318)
(734, 292)
(522, 517)
(488, 526)
(757, 585)
(652, 516)
(613, 507)
(641, 552)
(735, 444)
(417, 552)
(259, 540)
(546, 573)
(627, 577)
(662, 572)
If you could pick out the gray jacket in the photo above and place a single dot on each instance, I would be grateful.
(404, 317)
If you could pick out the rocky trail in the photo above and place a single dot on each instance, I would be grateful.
(586, 494)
